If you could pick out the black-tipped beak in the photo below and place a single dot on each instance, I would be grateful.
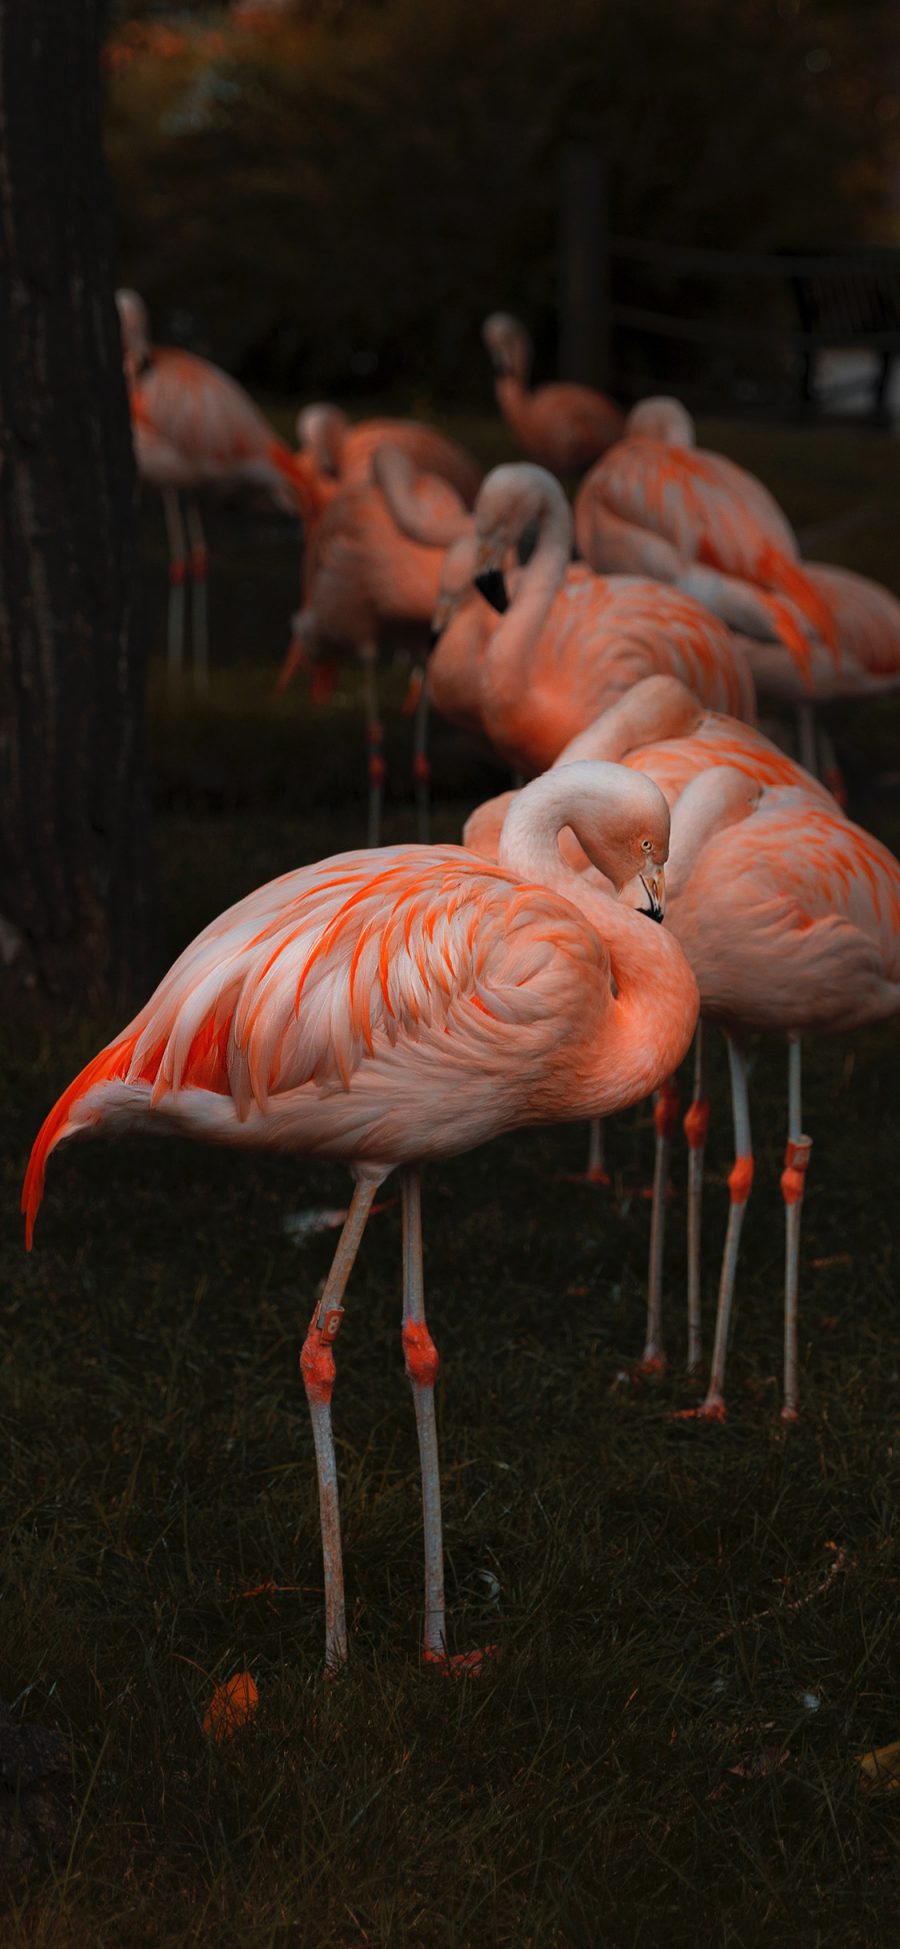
(654, 886)
(434, 636)
(492, 585)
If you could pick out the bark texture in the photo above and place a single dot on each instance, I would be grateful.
(74, 894)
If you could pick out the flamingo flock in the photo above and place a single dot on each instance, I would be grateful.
(664, 869)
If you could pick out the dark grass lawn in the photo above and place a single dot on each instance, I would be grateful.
(697, 1627)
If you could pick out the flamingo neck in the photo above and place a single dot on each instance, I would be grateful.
(717, 798)
(515, 638)
(425, 508)
(654, 994)
(658, 708)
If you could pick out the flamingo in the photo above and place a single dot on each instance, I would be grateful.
(392, 1008)
(790, 917)
(194, 427)
(341, 455)
(564, 427)
(364, 579)
(660, 728)
(570, 642)
(655, 505)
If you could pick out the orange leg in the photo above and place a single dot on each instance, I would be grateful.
(793, 1184)
(696, 1125)
(739, 1184)
(317, 1368)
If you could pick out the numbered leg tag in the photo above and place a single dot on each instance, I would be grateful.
(331, 1325)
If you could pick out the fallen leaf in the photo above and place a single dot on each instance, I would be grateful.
(231, 1706)
(881, 1767)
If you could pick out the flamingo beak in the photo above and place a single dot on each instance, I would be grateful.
(647, 892)
(488, 578)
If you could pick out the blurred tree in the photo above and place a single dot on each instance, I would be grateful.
(74, 889)
(344, 192)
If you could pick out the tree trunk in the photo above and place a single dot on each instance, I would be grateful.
(74, 895)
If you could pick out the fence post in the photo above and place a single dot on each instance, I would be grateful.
(585, 351)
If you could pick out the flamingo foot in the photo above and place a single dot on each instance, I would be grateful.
(652, 1365)
(790, 1415)
(461, 1664)
(712, 1409)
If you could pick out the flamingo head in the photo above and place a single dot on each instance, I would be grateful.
(321, 431)
(513, 499)
(509, 346)
(661, 418)
(134, 325)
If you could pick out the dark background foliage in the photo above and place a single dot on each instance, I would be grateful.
(338, 194)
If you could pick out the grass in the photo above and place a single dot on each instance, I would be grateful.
(671, 1603)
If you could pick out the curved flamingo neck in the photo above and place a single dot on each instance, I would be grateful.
(424, 507)
(515, 400)
(717, 798)
(658, 708)
(655, 998)
(515, 638)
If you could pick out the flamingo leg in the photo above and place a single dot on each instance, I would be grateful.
(696, 1125)
(317, 1368)
(665, 1117)
(375, 741)
(421, 1359)
(596, 1172)
(793, 1183)
(199, 561)
(421, 765)
(177, 571)
(712, 1408)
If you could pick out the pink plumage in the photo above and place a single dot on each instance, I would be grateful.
(389, 1008)
(563, 426)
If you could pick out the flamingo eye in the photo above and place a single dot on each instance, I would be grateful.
(647, 845)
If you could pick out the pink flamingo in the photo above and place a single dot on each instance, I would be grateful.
(790, 917)
(194, 428)
(660, 728)
(655, 505)
(365, 580)
(569, 642)
(564, 427)
(391, 1009)
(341, 455)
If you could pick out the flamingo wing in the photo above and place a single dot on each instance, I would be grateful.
(792, 919)
(397, 1004)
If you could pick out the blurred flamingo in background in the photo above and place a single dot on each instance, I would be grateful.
(365, 580)
(395, 1008)
(563, 426)
(570, 642)
(195, 428)
(341, 455)
(656, 505)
